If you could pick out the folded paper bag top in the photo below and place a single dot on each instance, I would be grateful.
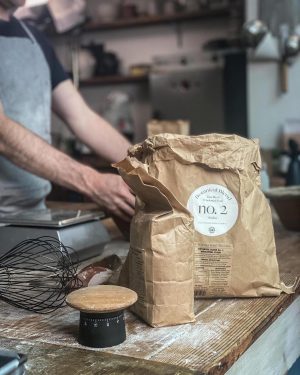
(216, 177)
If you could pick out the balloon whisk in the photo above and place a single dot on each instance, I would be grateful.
(37, 274)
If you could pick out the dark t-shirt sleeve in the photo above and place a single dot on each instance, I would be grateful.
(57, 71)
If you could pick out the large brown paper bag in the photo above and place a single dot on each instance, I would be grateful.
(159, 266)
(217, 178)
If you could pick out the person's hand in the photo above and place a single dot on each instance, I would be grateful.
(112, 193)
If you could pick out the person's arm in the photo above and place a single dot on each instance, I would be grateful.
(30, 152)
(89, 127)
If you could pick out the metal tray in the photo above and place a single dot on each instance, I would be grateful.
(56, 218)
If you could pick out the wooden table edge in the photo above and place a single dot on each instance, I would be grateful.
(229, 359)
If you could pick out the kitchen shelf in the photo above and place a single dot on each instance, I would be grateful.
(154, 20)
(108, 80)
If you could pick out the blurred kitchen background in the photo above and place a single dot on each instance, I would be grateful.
(228, 66)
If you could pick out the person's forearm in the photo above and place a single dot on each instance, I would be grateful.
(30, 152)
(89, 127)
(102, 138)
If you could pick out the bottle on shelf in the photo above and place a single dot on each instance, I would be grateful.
(293, 173)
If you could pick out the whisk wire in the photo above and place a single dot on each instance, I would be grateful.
(37, 273)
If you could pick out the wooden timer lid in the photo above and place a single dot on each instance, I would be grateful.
(101, 298)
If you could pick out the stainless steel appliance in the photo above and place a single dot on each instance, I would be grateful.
(184, 88)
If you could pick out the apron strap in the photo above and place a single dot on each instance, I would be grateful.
(27, 31)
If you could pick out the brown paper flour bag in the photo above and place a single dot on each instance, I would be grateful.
(159, 266)
(217, 178)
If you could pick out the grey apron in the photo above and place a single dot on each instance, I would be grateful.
(25, 94)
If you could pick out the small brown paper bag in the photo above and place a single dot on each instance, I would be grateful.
(155, 127)
(159, 266)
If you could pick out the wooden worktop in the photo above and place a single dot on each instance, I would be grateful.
(223, 331)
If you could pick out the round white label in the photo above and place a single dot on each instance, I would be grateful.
(215, 209)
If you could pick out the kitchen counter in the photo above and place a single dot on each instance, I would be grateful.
(233, 336)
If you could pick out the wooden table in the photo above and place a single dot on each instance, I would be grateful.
(233, 336)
